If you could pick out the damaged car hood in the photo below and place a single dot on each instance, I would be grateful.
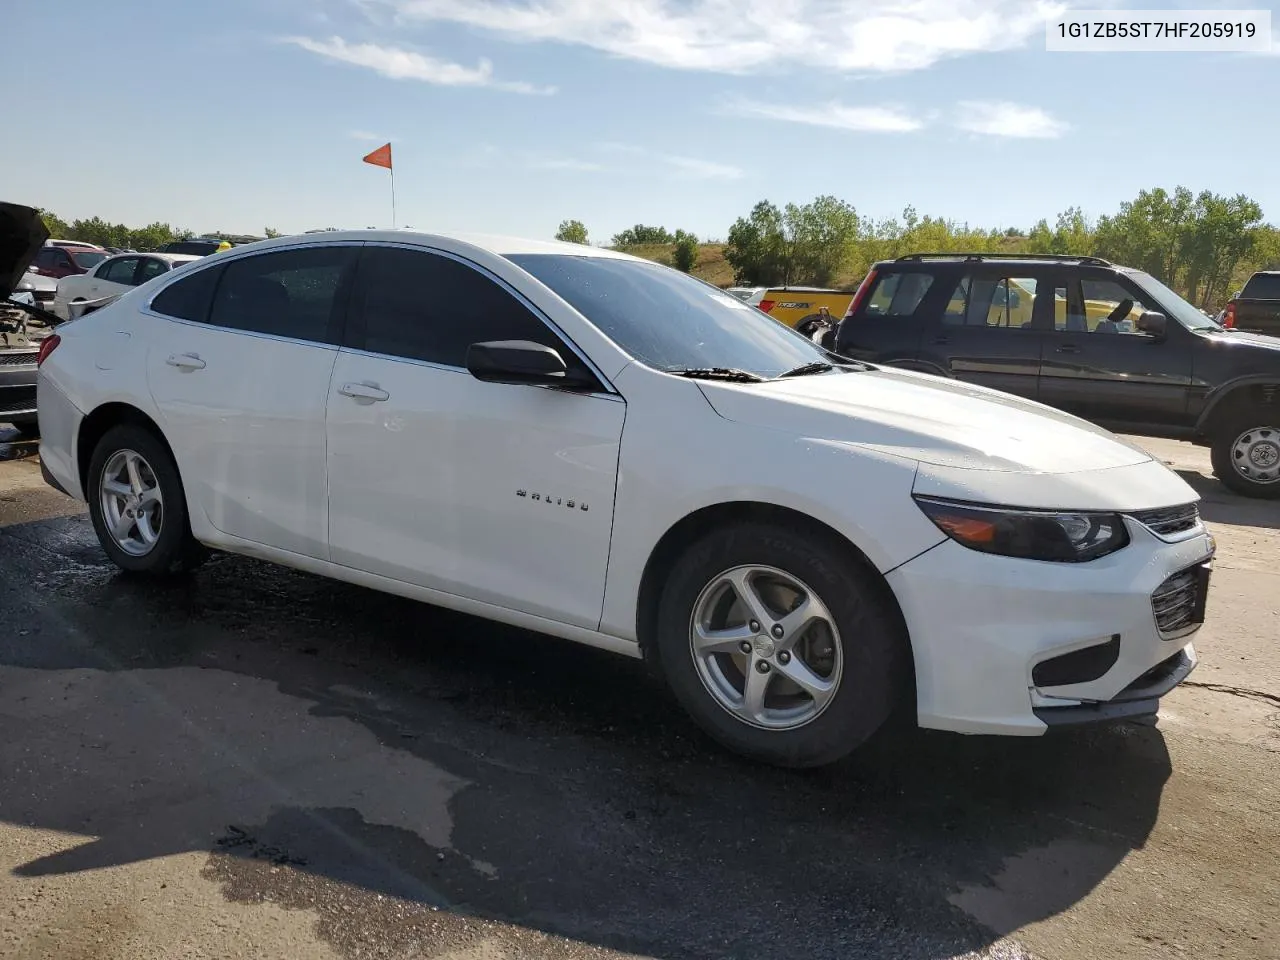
(22, 234)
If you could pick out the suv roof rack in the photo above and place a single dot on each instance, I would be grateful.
(1061, 257)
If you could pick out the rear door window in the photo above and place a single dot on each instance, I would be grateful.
(994, 301)
(189, 298)
(152, 267)
(287, 293)
(119, 271)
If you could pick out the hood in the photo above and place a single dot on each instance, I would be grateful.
(1241, 339)
(22, 234)
(927, 419)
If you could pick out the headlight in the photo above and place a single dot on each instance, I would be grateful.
(1069, 537)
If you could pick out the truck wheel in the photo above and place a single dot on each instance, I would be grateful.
(779, 645)
(1246, 454)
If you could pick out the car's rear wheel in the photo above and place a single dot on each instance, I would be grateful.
(137, 503)
(779, 645)
(1246, 454)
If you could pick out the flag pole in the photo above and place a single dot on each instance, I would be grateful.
(393, 198)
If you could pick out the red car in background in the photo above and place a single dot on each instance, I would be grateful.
(60, 258)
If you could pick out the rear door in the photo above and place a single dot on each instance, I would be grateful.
(990, 326)
(112, 277)
(240, 369)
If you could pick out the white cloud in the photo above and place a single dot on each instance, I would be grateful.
(564, 164)
(835, 115)
(693, 167)
(366, 135)
(744, 36)
(400, 64)
(1003, 119)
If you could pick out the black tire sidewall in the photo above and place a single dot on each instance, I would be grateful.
(1224, 463)
(873, 647)
(175, 543)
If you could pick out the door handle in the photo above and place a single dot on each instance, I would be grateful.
(364, 391)
(1068, 348)
(185, 361)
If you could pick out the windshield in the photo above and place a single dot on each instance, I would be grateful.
(87, 258)
(1179, 309)
(669, 320)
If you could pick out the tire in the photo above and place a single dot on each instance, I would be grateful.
(1246, 454)
(172, 549)
(868, 644)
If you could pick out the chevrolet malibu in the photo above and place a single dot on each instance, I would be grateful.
(600, 448)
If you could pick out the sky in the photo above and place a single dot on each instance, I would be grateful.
(508, 116)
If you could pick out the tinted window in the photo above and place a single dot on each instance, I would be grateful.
(897, 294)
(669, 320)
(1108, 308)
(287, 294)
(151, 268)
(428, 307)
(119, 271)
(190, 297)
(992, 301)
(1262, 286)
(46, 258)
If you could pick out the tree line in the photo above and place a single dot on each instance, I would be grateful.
(1202, 245)
(154, 236)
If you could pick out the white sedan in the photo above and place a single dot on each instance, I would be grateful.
(605, 449)
(114, 276)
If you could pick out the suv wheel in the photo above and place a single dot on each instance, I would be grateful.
(779, 646)
(137, 504)
(1246, 455)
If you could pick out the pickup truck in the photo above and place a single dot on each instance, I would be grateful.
(1256, 308)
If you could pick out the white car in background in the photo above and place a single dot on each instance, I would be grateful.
(114, 276)
(605, 449)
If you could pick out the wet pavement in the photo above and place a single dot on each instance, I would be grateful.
(258, 762)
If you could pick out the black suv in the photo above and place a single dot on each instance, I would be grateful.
(1107, 343)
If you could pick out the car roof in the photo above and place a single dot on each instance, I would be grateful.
(500, 245)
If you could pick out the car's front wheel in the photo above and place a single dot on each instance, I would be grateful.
(1246, 455)
(137, 504)
(779, 644)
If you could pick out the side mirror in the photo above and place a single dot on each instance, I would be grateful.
(518, 361)
(1153, 324)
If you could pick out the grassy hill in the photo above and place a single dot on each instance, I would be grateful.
(711, 265)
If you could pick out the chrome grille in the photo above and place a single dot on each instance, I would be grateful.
(1169, 521)
(1178, 603)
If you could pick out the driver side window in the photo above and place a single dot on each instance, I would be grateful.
(1109, 308)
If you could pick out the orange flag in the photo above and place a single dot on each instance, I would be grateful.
(380, 157)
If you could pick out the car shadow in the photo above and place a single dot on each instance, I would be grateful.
(1220, 505)
(326, 743)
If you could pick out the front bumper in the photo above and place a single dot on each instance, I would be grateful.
(1007, 646)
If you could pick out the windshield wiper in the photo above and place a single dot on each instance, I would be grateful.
(806, 369)
(719, 373)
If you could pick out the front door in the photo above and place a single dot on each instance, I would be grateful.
(1097, 364)
(241, 377)
(495, 492)
(991, 327)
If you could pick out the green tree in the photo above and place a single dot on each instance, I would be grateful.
(1072, 235)
(642, 235)
(572, 231)
(686, 252)
(755, 247)
(270, 233)
(819, 240)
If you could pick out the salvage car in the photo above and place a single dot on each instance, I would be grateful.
(602, 448)
(24, 324)
(113, 277)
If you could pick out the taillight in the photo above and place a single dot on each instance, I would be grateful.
(863, 289)
(766, 305)
(47, 346)
(1229, 317)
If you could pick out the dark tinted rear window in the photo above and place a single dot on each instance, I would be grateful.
(191, 247)
(897, 294)
(189, 298)
(1262, 286)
